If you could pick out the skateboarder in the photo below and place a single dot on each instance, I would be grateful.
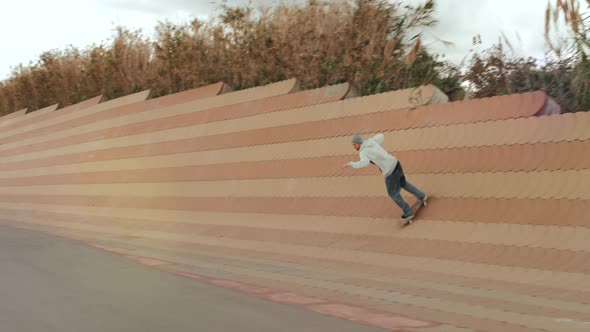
(371, 152)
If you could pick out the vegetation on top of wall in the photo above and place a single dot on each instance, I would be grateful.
(374, 44)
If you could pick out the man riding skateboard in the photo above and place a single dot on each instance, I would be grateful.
(371, 152)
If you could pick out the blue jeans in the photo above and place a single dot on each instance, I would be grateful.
(395, 182)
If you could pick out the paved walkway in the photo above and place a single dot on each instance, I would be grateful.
(53, 284)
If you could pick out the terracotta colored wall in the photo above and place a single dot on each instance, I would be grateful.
(12, 115)
(236, 181)
(72, 116)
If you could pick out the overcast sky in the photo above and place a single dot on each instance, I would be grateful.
(30, 27)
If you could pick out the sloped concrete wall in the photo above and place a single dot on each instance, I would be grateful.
(249, 186)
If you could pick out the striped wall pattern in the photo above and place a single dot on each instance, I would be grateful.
(30, 121)
(13, 115)
(249, 186)
(42, 111)
(25, 115)
(71, 117)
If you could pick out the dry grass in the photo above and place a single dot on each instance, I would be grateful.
(370, 43)
(576, 21)
(573, 52)
(564, 75)
(71, 76)
(365, 42)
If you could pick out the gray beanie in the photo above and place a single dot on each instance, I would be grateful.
(357, 139)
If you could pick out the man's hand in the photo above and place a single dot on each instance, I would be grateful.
(345, 165)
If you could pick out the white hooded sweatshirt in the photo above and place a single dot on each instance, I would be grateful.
(371, 151)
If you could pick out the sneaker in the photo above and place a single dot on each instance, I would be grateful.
(425, 200)
(407, 218)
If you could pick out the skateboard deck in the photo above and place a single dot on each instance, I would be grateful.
(415, 208)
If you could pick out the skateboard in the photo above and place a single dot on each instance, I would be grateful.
(415, 208)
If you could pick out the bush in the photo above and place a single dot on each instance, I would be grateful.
(365, 42)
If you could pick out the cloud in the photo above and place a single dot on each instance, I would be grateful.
(522, 22)
(158, 7)
(59, 23)
(194, 8)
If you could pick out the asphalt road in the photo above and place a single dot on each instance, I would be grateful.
(51, 284)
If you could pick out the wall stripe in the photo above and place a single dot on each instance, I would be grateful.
(442, 280)
(509, 211)
(570, 280)
(34, 123)
(12, 115)
(565, 238)
(545, 129)
(249, 186)
(139, 114)
(300, 121)
(505, 158)
(69, 118)
(543, 185)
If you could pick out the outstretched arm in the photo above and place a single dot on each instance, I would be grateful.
(364, 162)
